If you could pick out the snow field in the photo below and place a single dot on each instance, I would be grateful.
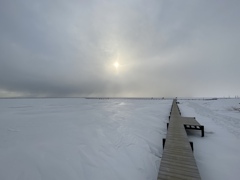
(218, 153)
(46, 139)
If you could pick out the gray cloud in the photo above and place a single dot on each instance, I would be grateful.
(164, 48)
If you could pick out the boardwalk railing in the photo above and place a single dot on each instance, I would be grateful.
(177, 160)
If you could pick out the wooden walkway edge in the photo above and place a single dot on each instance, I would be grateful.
(177, 160)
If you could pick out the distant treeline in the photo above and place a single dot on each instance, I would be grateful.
(157, 98)
(132, 98)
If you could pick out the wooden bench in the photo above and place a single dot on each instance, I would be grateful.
(191, 123)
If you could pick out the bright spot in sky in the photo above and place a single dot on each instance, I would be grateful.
(116, 64)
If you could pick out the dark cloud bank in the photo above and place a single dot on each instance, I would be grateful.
(164, 48)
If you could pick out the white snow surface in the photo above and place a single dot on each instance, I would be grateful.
(73, 139)
(218, 153)
(117, 139)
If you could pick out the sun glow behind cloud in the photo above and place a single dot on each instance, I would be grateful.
(116, 64)
(118, 59)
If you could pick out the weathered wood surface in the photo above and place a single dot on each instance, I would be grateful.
(189, 120)
(177, 160)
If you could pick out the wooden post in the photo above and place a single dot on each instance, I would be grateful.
(163, 142)
(202, 129)
(191, 144)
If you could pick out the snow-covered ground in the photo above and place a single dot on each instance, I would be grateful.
(88, 139)
(72, 139)
(218, 153)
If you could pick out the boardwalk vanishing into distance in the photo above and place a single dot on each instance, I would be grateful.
(177, 160)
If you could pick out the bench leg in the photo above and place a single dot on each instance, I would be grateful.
(167, 125)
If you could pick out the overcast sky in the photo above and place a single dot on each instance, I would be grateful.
(59, 48)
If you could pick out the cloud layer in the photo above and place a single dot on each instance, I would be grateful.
(164, 48)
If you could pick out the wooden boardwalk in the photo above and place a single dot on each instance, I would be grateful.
(177, 160)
